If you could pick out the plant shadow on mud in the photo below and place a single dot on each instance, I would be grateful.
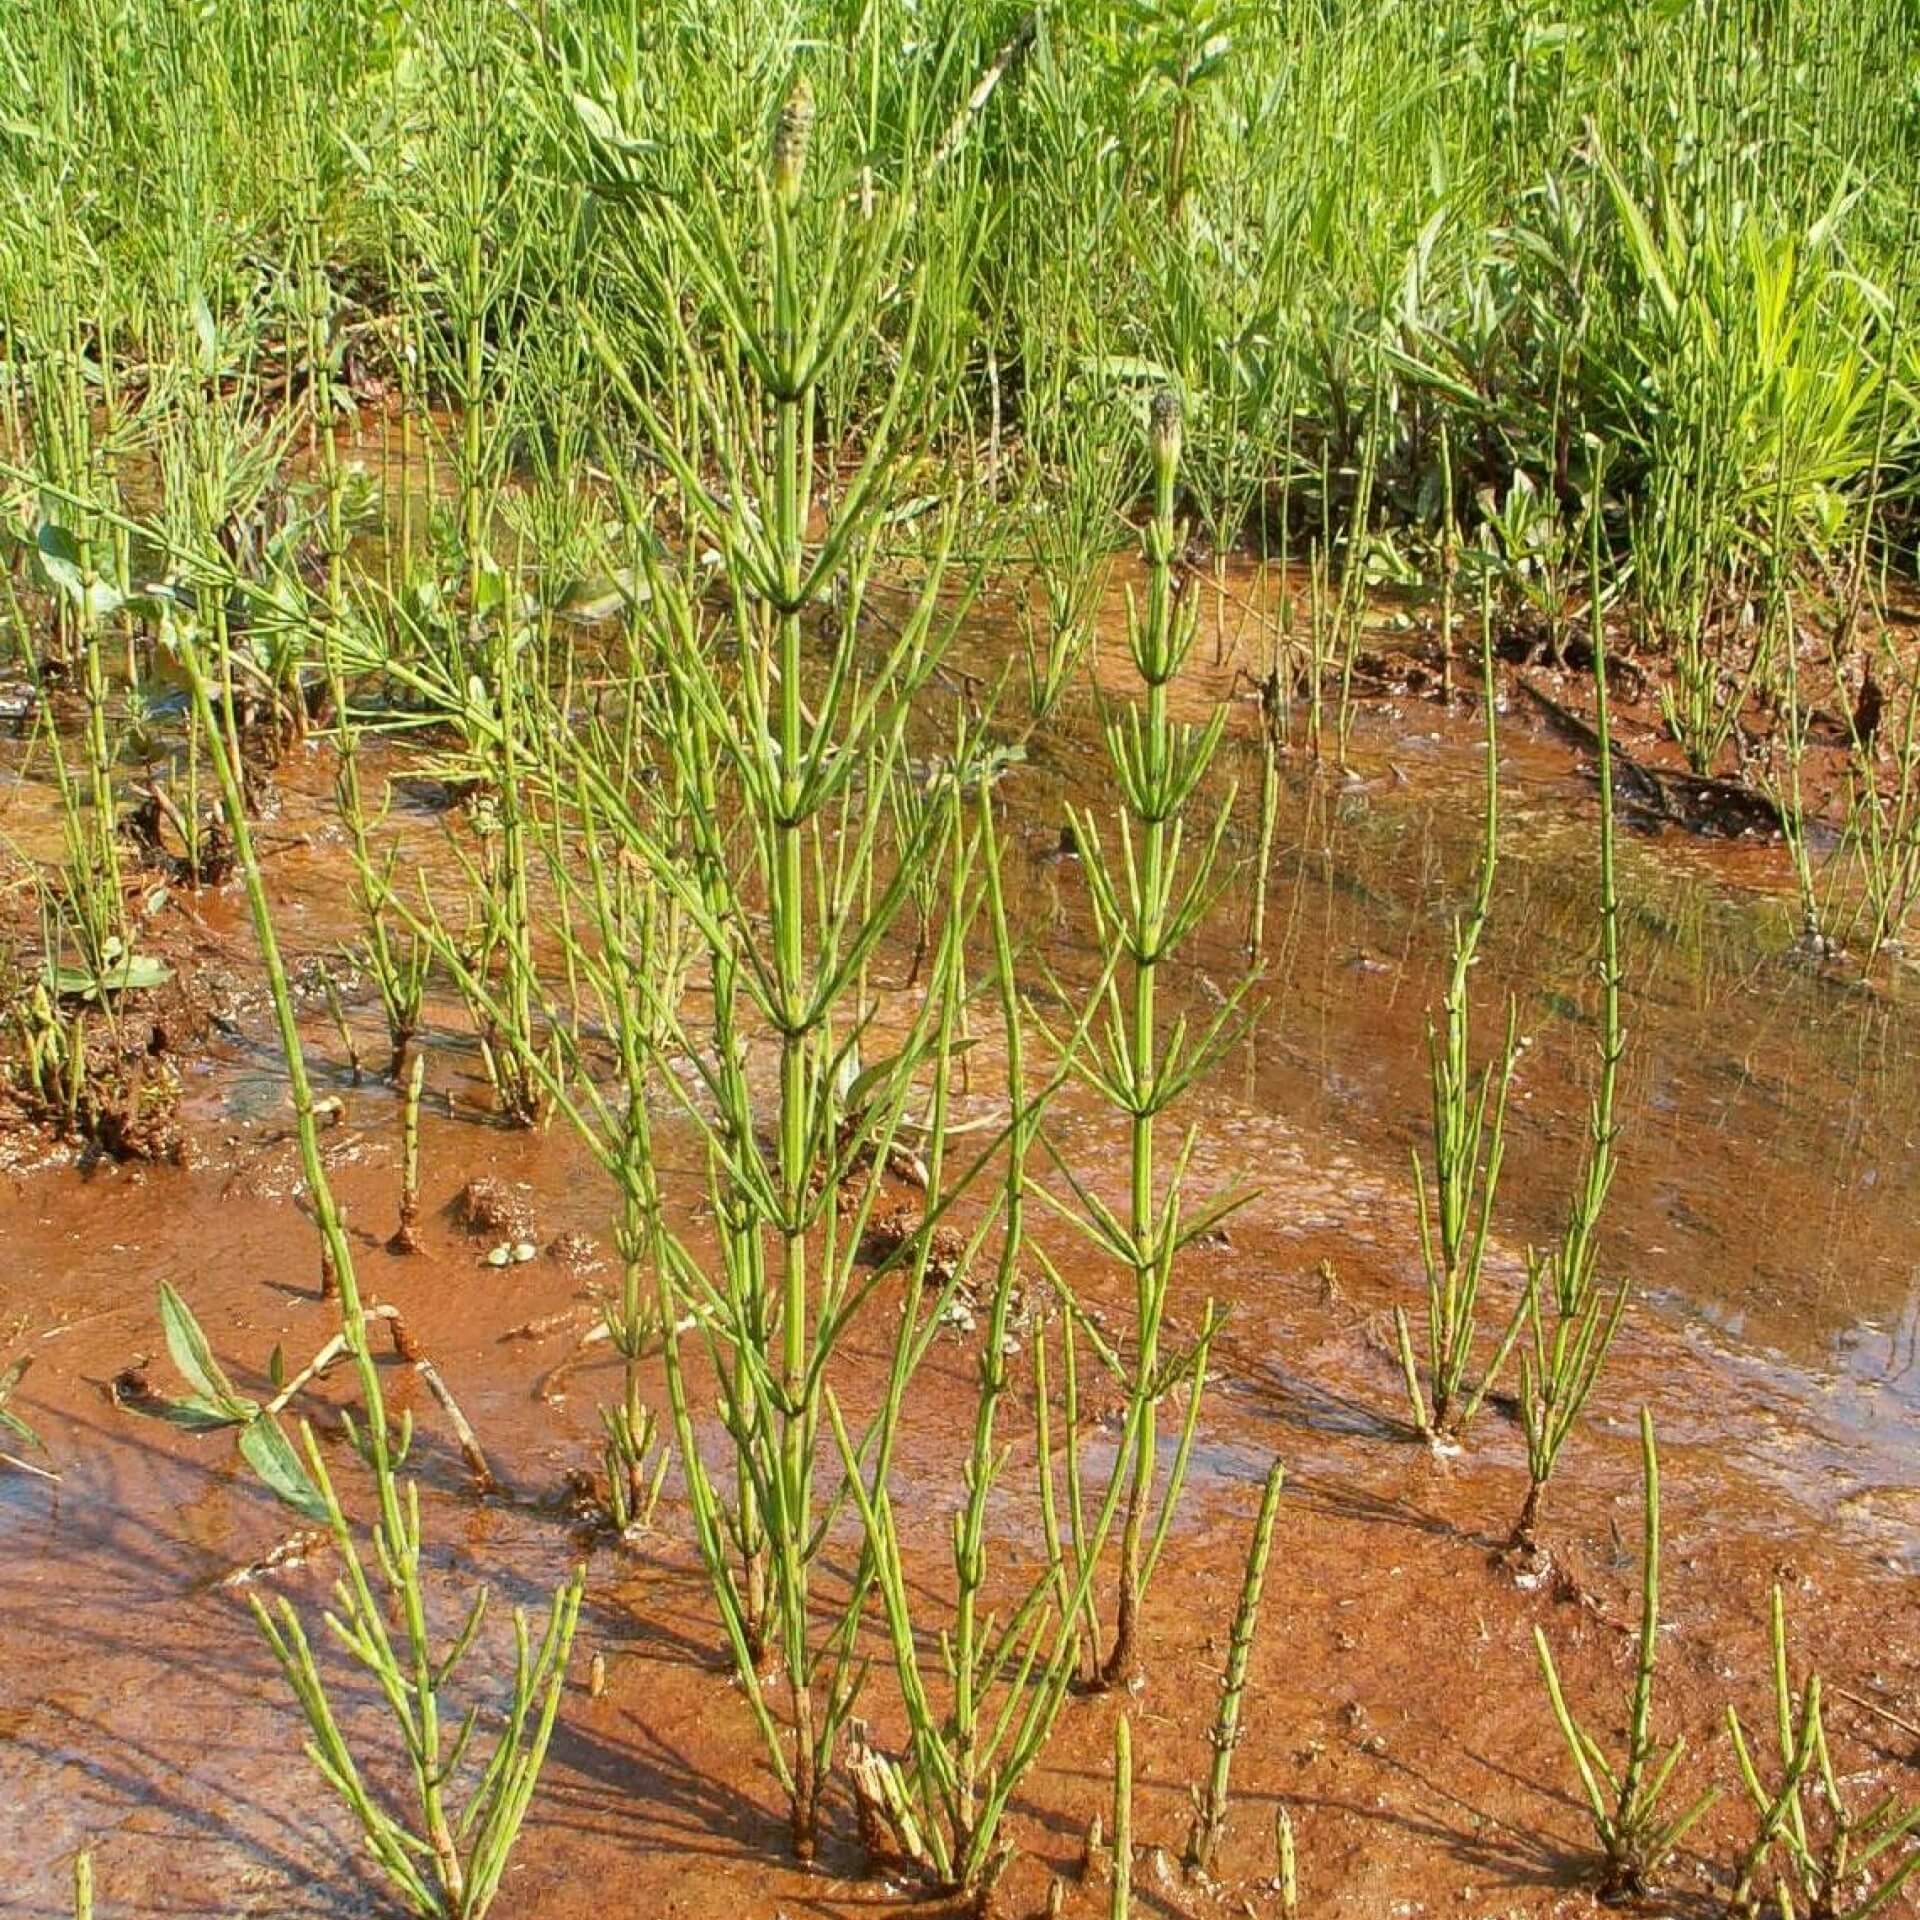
(599, 1780)
(317, 1870)
(1338, 1419)
(1517, 1856)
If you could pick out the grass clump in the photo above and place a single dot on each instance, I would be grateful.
(944, 1808)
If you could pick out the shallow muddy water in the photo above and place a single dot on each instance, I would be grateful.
(1764, 1206)
(1771, 1103)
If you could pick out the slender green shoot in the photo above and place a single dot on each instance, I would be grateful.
(1210, 1805)
(1635, 1831)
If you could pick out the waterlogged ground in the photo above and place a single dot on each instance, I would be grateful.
(1764, 1206)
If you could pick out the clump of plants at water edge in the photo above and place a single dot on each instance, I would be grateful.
(1637, 1832)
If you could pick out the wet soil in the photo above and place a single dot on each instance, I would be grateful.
(1764, 1206)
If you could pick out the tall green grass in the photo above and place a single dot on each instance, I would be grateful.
(1523, 227)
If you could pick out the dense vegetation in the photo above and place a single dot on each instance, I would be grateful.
(1388, 253)
(383, 371)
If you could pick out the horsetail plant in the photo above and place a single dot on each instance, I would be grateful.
(1834, 1864)
(1210, 1807)
(459, 235)
(623, 942)
(497, 941)
(1350, 611)
(1073, 1555)
(445, 1859)
(1881, 832)
(1072, 514)
(88, 898)
(406, 1236)
(1637, 1835)
(1286, 1864)
(805, 770)
(640, 971)
(1469, 1144)
(1776, 1805)
(1274, 687)
(398, 967)
(776, 1323)
(1567, 1317)
(942, 1806)
(1146, 902)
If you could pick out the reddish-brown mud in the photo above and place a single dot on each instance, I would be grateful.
(1764, 1207)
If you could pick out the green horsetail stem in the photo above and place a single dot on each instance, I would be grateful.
(406, 1237)
(451, 1867)
(1469, 1115)
(1147, 900)
(1210, 1820)
(1636, 1839)
(1831, 1851)
(1286, 1863)
(1570, 1317)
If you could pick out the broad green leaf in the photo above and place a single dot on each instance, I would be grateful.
(1129, 368)
(208, 335)
(857, 1095)
(1427, 374)
(140, 971)
(489, 588)
(71, 983)
(101, 600)
(1642, 246)
(603, 127)
(270, 1454)
(59, 555)
(595, 118)
(194, 1357)
(137, 972)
